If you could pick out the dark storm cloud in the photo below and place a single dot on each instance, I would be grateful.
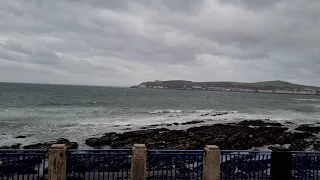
(109, 42)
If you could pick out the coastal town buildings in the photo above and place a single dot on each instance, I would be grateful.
(223, 89)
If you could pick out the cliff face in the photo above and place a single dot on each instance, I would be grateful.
(266, 85)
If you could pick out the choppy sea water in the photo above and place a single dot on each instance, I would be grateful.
(48, 112)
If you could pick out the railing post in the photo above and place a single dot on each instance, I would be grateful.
(57, 164)
(212, 163)
(281, 164)
(139, 162)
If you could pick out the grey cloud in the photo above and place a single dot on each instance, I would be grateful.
(127, 42)
(253, 4)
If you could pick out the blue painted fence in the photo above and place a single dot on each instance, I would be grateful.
(99, 164)
(161, 164)
(245, 165)
(179, 164)
(23, 164)
(305, 165)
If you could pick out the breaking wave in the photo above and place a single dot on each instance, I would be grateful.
(313, 100)
(173, 111)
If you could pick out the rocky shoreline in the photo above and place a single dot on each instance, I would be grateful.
(243, 135)
(247, 134)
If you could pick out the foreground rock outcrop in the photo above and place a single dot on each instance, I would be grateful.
(242, 135)
(46, 145)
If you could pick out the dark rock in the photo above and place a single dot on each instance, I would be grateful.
(46, 145)
(105, 140)
(307, 128)
(37, 146)
(73, 145)
(15, 146)
(259, 122)
(288, 122)
(219, 113)
(176, 124)
(300, 145)
(227, 136)
(95, 142)
(192, 122)
(316, 146)
(278, 149)
(21, 137)
(155, 125)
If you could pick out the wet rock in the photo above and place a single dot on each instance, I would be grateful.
(73, 145)
(242, 135)
(308, 128)
(219, 113)
(300, 145)
(15, 146)
(278, 148)
(37, 146)
(97, 142)
(192, 122)
(259, 122)
(21, 137)
(46, 145)
(291, 123)
(155, 125)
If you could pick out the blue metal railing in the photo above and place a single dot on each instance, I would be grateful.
(99, 164)
(245, 164)
(305, 165)
(175, 164)
(23, 164)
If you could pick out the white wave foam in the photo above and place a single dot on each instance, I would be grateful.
(314, 100)
(179, 111)
(315, 105)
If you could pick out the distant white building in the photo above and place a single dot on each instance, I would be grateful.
(264, 91)
(196, 87)
(246, 90)
(142, 86)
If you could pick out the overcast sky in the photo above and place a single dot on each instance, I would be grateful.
(126, 42)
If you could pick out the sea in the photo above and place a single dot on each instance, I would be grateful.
(48, 112)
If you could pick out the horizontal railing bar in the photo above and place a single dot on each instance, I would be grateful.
(228, 151)
(23, 150)
(98, 150)
(171, 154)
(175, 150)
(99, 154)
(11, 155)
(306, 152)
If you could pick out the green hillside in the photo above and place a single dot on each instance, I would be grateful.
(270, 85)
(277, 84)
